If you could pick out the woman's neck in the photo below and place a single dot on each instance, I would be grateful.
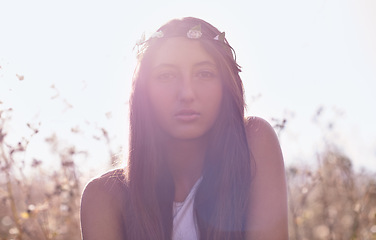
(185, 160)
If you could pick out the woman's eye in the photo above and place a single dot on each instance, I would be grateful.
(206, 75)
(166, 76)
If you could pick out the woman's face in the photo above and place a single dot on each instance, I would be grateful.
(184, 88)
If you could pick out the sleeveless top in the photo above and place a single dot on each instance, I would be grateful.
(184, 221)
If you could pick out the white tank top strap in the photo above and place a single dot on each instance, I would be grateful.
(184, 222)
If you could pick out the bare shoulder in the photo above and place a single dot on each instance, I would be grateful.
(108, 182)
(103, 207)
(110, 186)
(262, 141)
(258, 130)
(267, 218)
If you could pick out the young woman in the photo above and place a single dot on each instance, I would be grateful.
(197, 168)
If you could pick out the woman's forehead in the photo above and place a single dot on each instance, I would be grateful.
(180, 50)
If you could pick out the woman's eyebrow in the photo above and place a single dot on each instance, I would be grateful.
(171, 65)
(165, 65)
(203, 63)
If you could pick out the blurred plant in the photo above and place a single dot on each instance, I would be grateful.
(331, 200)
(40, 206)
(40, 200)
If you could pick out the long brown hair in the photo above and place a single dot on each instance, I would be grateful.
(222, 198)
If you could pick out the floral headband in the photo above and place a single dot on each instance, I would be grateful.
(193, 33)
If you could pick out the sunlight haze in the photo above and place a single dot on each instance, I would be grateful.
(69, 64)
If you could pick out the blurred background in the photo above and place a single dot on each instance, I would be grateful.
(309, 68)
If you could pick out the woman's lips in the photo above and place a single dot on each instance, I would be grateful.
(187, 115)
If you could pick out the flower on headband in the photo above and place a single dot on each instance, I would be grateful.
(141, 40)
(158, 34)
(220, 37)
(195, 32)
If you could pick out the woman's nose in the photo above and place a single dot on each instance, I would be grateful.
(187, 92)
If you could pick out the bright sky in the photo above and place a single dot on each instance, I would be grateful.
(296, 56)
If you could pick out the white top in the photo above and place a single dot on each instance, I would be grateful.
(184, 222)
